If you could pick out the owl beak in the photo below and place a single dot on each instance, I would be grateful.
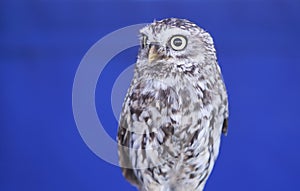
(153, 53)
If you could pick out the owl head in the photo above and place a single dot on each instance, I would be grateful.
(175, 39)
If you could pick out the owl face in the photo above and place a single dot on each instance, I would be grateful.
(171, 39)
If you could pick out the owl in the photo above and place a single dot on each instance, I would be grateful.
(175, 110)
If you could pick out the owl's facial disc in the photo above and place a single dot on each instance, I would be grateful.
(172, 43)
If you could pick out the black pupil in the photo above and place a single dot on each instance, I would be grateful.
(177, 42)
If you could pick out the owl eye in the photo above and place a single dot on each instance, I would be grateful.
(144, 41)
(178, 42)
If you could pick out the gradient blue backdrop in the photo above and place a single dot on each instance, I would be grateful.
(42, 43)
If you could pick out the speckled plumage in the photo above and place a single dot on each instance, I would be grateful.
(175, 109)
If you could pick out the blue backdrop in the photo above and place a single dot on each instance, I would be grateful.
(43, 42)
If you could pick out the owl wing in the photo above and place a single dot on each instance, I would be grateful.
(149, 105)
(130, 108)
(123, 151)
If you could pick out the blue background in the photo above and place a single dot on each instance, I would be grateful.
(43, 42)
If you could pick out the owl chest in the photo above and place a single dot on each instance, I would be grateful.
(168, 125)
(163, 113)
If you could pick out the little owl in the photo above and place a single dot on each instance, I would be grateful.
(175, 110)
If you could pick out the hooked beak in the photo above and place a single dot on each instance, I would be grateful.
(153, 53)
